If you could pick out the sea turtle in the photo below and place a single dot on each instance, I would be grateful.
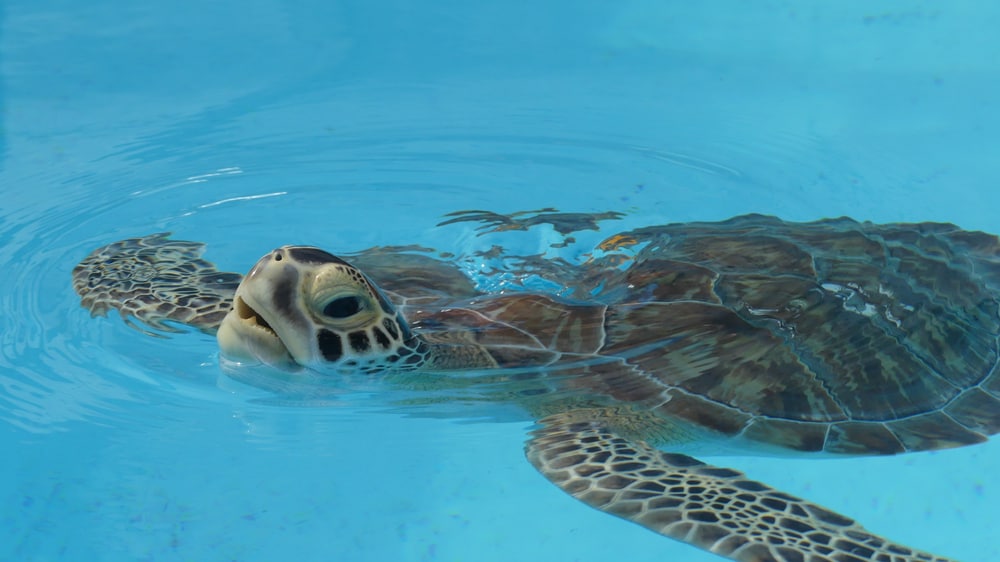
(833, 337)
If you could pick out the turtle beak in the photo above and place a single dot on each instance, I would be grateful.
(251, 317)
(245, 336)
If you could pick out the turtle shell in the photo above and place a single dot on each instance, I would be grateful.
(834, 335)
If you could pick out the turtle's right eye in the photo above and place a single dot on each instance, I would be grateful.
(343, 307)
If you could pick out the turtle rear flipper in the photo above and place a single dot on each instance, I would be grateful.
(713, 508)
(156, 280)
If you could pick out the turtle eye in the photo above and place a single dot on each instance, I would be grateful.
(343, 307)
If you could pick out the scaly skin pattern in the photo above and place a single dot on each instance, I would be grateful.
(716, 509)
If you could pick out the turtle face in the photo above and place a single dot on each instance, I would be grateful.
(302, 307)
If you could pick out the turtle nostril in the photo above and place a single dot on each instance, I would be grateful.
(277, 256)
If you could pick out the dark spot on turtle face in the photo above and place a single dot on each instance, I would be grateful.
(380, 337)
(330, 345)
(390, 327)
(359, 341)
(284, 293)
(308, 254)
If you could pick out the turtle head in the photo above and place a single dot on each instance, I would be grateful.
(302, 307)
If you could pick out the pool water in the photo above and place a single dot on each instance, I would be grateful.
(248, 125)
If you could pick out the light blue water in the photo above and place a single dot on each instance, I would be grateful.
(349, 124)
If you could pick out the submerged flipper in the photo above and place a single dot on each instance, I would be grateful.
(155, 280)
(716, 509)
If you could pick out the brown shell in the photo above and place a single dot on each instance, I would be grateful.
(833, 335)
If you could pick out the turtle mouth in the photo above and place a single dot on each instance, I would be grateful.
(252, 318)
(247, 336)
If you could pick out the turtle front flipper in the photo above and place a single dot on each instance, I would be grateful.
(155, 280)
(716, 509)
